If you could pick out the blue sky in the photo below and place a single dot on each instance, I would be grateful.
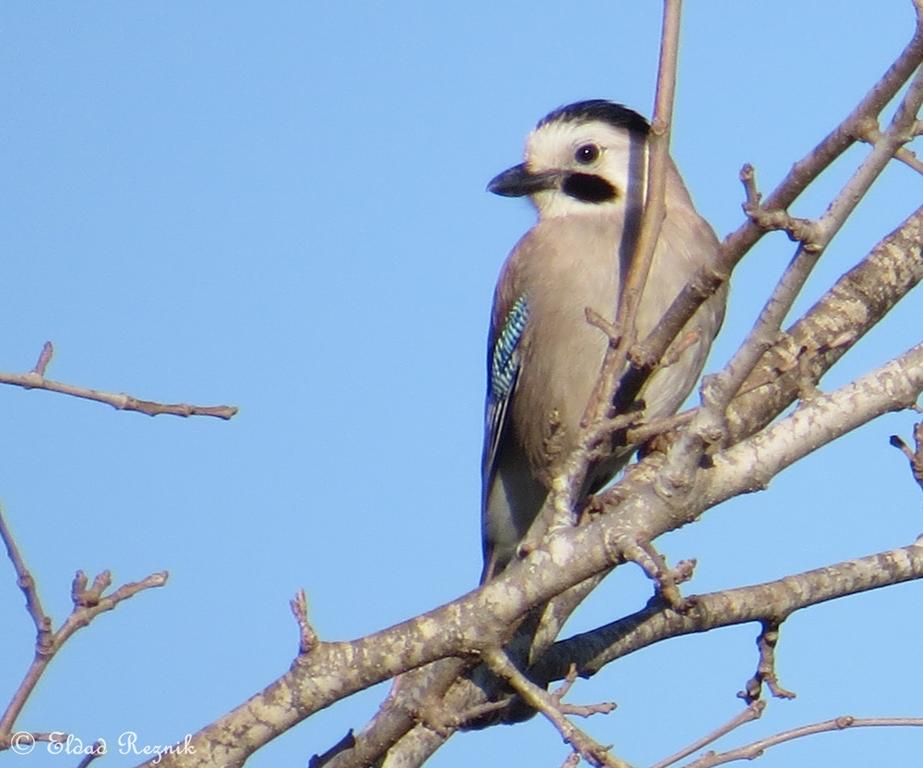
(282, 207)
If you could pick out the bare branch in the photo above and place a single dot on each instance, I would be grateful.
(767, 602)
(757, 748)
(835, 144)
(752, 712)
(821, 420)
(307, 635)
(802, 230)
(480, 619)
(598, 410)
(98, 749)
(857, 301)
(766, 668)
(89, 602)
(550, 706)
(35, 379)
(658, 158)
(26, 583)
(43, 359)
(870, 133)
(398, 715)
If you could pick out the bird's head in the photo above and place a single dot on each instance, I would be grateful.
(583, 158)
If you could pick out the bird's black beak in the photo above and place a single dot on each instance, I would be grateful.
(519, 181)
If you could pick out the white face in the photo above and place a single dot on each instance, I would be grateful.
(593, 148)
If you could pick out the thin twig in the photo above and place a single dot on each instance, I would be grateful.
(802, 230)
(88, 601)
(871, 133)
(306, 634)
(581, 710)
(766, 641)
(35, 379)
(23, 742)
(646, 430)
(26, 583)
(549, 705)
(97, 750)
(598, 409)
(658, 158)
(757, 748)
(44, 358)
(750, 713)
(841, 138)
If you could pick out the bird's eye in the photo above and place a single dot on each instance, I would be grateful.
(586, 153)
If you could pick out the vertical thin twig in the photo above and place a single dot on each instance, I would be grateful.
(658, 146)
(658, 149)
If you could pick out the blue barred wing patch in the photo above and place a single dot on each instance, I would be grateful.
(504, 361)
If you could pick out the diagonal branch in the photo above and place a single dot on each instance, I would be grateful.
(771, 601)
(865, 289)
(35, 379)
(858, 301)
(752, 712)
(757, 748)
(481, 618)
(550, 706)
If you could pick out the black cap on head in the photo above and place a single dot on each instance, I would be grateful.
(617, 115)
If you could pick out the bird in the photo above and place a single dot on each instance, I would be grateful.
(584, 170)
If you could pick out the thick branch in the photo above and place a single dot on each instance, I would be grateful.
(480, 619)
(772, 601)
(853, 306)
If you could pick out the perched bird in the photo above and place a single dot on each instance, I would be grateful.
(584, 171)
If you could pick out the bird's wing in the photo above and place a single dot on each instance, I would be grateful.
(504, 358)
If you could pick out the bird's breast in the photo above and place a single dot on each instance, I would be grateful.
(564, 267)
